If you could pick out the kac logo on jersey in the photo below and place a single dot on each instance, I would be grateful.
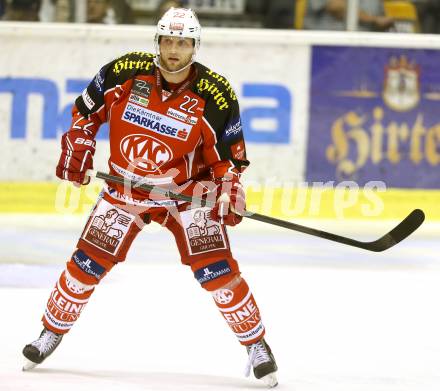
(145, 152)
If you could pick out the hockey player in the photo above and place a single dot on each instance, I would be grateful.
(173, 122)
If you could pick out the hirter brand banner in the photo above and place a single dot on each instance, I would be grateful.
(374, 116)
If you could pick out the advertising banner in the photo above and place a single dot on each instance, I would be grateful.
(48, 66)
(374, 116)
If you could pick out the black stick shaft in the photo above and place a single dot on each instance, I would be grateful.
(405, 228)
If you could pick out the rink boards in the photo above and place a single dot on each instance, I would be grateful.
(286, 202)
(320, 111)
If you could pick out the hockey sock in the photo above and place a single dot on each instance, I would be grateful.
(65, 304)
(238, 307)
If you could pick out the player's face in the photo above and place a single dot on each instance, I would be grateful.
(175, 52)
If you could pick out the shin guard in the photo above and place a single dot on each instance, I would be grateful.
(65, 304)
(237, 305)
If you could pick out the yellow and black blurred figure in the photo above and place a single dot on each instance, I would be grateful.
(98, 11)
(22, 10)
(429, 15)
(2, 7)
(274, 14)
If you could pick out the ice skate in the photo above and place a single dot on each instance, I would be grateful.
(263, 363)
(36, 352)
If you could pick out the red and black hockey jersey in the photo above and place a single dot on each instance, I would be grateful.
(194, 133)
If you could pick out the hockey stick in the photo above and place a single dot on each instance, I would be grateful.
(405, 228)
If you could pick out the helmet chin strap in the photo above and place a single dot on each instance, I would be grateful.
(157, 63)
(156, 60)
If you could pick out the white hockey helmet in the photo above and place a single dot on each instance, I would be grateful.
(178, 22)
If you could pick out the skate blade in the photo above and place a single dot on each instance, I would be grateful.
(28, 365)
(270, 380)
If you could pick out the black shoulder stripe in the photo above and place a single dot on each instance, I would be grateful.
(116, 72)
(214, 88)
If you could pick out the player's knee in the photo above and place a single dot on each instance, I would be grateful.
(75, 285)
(84, 270)
(216, 274)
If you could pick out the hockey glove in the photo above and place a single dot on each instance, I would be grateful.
(230, 204)
(77, 150)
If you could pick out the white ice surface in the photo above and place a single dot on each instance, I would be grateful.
(337, 319)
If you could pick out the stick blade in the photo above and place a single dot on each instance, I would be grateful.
(405, 228)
